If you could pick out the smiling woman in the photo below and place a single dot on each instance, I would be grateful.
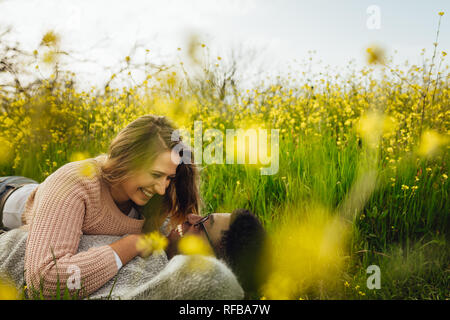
(144, 183)
(140, 164)
(110, 194)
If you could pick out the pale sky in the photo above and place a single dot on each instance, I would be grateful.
(105, 30)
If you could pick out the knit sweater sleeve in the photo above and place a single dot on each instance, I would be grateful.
(59, 210)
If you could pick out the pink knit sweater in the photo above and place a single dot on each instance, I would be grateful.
(66, 205)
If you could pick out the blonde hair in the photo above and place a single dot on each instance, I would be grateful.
(137, 146)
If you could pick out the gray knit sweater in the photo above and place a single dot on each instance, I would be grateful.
(183, 277)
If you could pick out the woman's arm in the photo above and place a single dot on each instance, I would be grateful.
(126, 248)
(51, 257)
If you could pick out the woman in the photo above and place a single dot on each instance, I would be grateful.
(107, 195)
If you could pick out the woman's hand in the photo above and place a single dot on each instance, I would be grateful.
(126, 247)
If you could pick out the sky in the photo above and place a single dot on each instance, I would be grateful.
(280, 32)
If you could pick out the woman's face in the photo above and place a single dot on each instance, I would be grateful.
(144, 183)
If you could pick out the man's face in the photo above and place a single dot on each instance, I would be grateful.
(214, 227)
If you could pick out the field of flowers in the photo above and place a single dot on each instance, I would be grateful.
(363, 163)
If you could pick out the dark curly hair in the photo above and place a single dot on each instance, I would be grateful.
(242, 248)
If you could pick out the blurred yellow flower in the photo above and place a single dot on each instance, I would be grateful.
(151, 242)
(6, 151)
(7, 290)
(372, 125)
(441, 13)
(375, 55)
(305, 253)
(49, 57)
(50, 39)
(430, 143)
(87, 169)
(78, 156)
(194, 245)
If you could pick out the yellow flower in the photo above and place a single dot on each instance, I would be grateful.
(77, 156)
(375, 55)
(445, 176)
(193, 245)
(305, 253)
(361, 293)
(404, 187)
(87, 169)
(7, 290)
(441, 13)
(50, 39)
(6, 151)
(346, 284)
(151, 242)
(49, 57)
(370, 127)
(430, 143)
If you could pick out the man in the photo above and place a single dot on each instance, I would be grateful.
(237, 238)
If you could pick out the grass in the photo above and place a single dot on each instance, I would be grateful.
(400, 221)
